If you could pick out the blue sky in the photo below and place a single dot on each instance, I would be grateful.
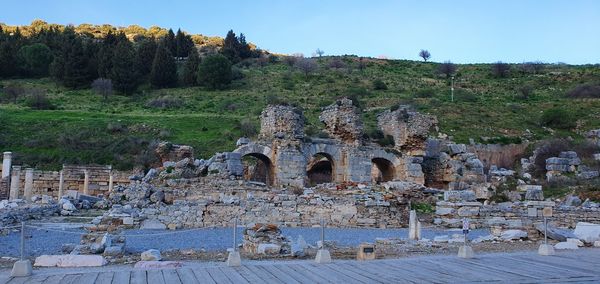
(463, 31)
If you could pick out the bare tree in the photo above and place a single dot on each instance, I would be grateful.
(319, 52)
(424, 54)
(13, 93)
(533, 67)
(500, 69)
(103, 87)
(336, 63)
(447, 68)
(306, 65)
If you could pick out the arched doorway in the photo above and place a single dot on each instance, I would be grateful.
(319, 169)
(382, 170)
(258, 168)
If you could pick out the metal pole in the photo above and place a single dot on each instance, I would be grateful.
(452, 89)
(322, 233)
(22, 240)
(235, 221)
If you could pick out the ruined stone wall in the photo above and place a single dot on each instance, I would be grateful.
(47, 182)
(410, 129)
(518, 215)
(281, 122)
(11, 216)
(502, 156)
(342, 122)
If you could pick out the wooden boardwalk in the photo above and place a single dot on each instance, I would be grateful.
(582, 266)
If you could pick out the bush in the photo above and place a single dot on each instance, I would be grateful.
(165, 102)
(425, 93)
(525, 91)
(39, 100)
(248, 128)
(585, 91)
(215, 72)
(558, 118)
(463, 95)
(500, 69)
(378, 84)
(547, 149)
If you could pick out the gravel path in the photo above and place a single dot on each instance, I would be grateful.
(42, 241)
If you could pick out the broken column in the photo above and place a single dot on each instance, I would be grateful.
(15, 182)
(6, 164)
(414, 226)
(61, 185)
(86, 182)
(27, 192)
(110, 182)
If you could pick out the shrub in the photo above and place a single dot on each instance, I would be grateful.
(547, 149)
(525, 91)
(425, 93)
(585, 91)
(558, 118)
(465, 96)
(248, 128)
(215, 72)
(447, 68)
(379, 84)
(165, 102)
(500, 69)
(39, 100)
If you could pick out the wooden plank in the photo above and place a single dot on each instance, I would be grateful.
(354, 274)
(278, 274)
(121, 277)
(340, 276)
(17, 280)
(217, 275)
(203, 276)
(563, 263)
(253, 277)
(104, 278)
(233, 275)
(469, 273)
(171, 276)
(497, 267)
(307, 275)
(71, 279)
(378, 273)
(54, 279)
(297, 275)
(89, 277)
(186, 275)
(36, 279)
(155, 277)
(266, 276)
(323, 273)
(560, 269)
(408, 271)
(138, 277)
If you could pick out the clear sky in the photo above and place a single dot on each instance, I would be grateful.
(463, 31)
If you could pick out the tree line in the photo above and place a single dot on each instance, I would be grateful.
(75, 60)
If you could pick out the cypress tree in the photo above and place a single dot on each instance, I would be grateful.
(184, 44)
(230, 47)
(244, 48)
(75, 73)
(164, 69)
(146, 49)
(123, 75)
(190, 68)
(170, 42)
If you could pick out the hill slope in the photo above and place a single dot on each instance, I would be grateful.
(85, 129)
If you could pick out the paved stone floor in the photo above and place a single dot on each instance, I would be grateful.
(581, 266)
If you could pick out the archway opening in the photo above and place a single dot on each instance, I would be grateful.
(382, 170)
(258, 168)
(320, 169)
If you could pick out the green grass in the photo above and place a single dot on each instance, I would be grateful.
(208, 120)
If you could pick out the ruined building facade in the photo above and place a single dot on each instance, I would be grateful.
(284, 156)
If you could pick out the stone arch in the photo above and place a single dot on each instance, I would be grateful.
(382, 170)
(320, 168)
(257, 163)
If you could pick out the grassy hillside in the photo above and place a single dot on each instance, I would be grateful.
(83, 128)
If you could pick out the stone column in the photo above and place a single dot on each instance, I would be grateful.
(61, 185)
(28, 184)
(15, 182)
(86, 182)
(6, 164)
(414, 226)
(110, 182)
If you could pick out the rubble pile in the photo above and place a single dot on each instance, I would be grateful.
(265, 239)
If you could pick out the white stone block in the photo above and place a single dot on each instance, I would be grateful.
(69, 260)
(323, 256)
(546, 250)
(566, 245)
(234, 259)
(587, 232)
(465, 252)
(151, 255)
(21, 268)
(575, 241)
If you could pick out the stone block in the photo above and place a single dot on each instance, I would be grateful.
(587, 232)
(21, 268)
(467, 211)
(234, 259)
(532, 212)
(151, 224)
(323, 256)
(545, 250)
(151, 255)
(366, 251)
(566, 245)
(534, 194)
(69, 260)
(444, 210)
(465, 252)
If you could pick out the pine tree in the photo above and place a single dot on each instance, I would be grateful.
(124, 75)
(164, 69)
(145, 52)
(215, 72)
(230, 47)
(190, 69)
(170, 42)
(76, 73)
(9, 45)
